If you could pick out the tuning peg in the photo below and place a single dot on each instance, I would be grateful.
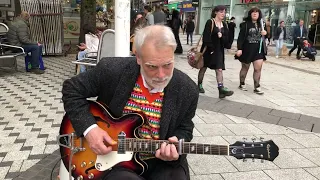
(253, 160)
(253, 139)
(262, 160)
(244, 139)
(244, 160)
(261, 139)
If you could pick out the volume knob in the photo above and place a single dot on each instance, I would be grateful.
(91, 176)
(80, 177)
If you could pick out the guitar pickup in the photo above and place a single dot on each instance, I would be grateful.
(122, 143)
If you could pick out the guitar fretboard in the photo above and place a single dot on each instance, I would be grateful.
(141, 145)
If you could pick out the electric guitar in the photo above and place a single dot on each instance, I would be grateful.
(84, 164)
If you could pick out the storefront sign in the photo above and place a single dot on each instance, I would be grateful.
(195, 3)
(249, 1)
(187, 6)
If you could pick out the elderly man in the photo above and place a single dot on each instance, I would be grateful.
(19, 35)
(161, 88)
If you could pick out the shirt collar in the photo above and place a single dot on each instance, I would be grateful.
(154, 90)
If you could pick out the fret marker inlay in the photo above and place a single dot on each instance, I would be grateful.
(157, 146)
(206, 149)
(192, 148)
(146, 146)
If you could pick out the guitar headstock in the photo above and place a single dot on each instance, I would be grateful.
(264, 150)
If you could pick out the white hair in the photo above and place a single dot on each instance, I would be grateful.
(159, 35)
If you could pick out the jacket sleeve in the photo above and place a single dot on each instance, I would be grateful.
(241, 37)
(74, 94)
(207, 34)
(185, 129)
(22, 32)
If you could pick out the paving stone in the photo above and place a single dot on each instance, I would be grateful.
(314, 171)
(273, 129)
(28, 163)
(290, 159)
(244, 129)
(289, 174)
(215, 118)
(6, 163)
(14, 155)
(237, 110)
(264, 117)
(285, 114)
(239, 120)
(213, 130)
(196, 132)
(312, 154)
(295, 124)
(12, 175)
(307, 140)
(246, 175)
(310, 119)
(208, 164)
(3, 172)
(16, 165)
(206, 177)
(316, 128)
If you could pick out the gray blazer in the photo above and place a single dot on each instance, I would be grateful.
(112, 80)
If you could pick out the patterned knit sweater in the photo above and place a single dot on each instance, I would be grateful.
(150, 107)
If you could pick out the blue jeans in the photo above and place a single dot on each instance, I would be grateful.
(82, 55)
(36, 52)
(189, 34)
(279, 44)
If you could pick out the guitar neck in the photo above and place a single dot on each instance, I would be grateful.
(144, 145)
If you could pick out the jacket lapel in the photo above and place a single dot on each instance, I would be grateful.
(124, 89)
(169, 107)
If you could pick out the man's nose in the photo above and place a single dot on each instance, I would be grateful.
(161, 73)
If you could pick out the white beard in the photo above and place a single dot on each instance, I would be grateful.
(153, 82)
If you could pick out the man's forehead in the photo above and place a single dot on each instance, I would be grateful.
(159, 62)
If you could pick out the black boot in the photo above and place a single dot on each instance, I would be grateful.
(223, 92)
(201, 90)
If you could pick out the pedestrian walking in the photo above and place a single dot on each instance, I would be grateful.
(215, 38)
(252, 48)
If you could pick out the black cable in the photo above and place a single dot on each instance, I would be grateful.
(56, 165)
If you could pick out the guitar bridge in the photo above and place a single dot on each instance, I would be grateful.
(68, 141)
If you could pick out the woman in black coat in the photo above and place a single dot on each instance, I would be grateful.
(248, 43)
(215, 39)
(176, 24)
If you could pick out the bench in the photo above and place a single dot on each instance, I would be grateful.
(8, 53)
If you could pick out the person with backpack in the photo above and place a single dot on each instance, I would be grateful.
(190, 29)
(251, 48)
(215, 39)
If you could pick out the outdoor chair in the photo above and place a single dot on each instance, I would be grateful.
(106, 48)
(8, 55)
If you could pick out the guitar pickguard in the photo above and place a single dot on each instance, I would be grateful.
(105, 162)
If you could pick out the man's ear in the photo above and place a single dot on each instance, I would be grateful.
(138, 59)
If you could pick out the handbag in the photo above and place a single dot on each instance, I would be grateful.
(194, 56)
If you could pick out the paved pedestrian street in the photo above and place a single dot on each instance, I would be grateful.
(288, 113)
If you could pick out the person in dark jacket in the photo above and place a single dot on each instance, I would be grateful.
(176, 24)
(279, 37)
(142, 84)
(251, 48)
(215, 38)
(190, 29)
(19, 35)
(299, 32)
(231, 26)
